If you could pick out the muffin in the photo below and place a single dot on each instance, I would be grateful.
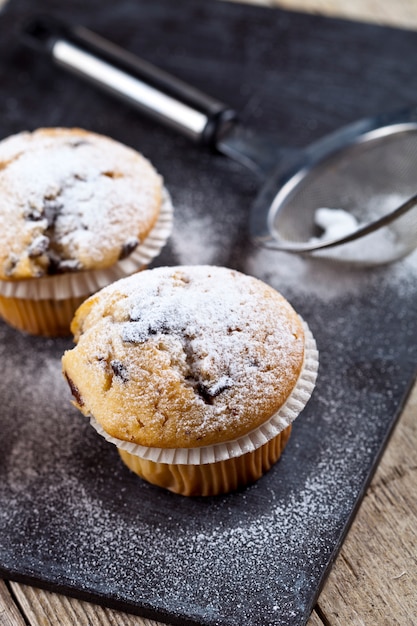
(79, 210)
(194, 373)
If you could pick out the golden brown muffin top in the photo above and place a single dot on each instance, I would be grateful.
(72, 200)
(180, 357)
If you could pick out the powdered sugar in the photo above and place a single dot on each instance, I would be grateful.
(198, 240)
(324, 279)
(383, 244)
(335, 223)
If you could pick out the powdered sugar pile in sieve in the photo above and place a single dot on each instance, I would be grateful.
(335, 223)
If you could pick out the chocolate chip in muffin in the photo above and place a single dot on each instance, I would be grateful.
(33, 215)
(128, 247)
(38, 247)
(80, 177)
(74, 390)
(69, 265)
(60, 266)
(119, 370)
(161, 327)
(51, 208)
(210, 391)
(11, 264)
(77, 143)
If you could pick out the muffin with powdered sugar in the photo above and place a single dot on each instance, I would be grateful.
(195, 373)
(79, 210)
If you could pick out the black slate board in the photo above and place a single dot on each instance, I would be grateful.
(73, 519)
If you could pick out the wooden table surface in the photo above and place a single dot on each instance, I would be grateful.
(374, 580)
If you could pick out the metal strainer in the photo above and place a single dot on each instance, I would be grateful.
(368, 168)
(368, 172)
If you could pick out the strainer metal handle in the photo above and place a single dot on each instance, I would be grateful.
(161, 96)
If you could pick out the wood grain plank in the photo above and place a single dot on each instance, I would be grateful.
(9, 612)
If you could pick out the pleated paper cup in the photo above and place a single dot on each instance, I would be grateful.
(45, 306)
(222, 467)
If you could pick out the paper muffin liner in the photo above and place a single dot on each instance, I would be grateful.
(242, 445)
(84, 283)
(210, 479)
(50, 318)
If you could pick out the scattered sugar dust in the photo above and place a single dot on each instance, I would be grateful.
(203, 239)
(327, 280)
(85, 532)
(199, 239)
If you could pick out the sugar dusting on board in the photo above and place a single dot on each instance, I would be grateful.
(324, 279)
(56, 455)
(200, 239)
(69, 501)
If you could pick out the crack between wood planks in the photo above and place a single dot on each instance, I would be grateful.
(349, 565)
(17, 602)
(322, 616)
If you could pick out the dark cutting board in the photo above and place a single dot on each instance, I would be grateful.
(73, 518)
